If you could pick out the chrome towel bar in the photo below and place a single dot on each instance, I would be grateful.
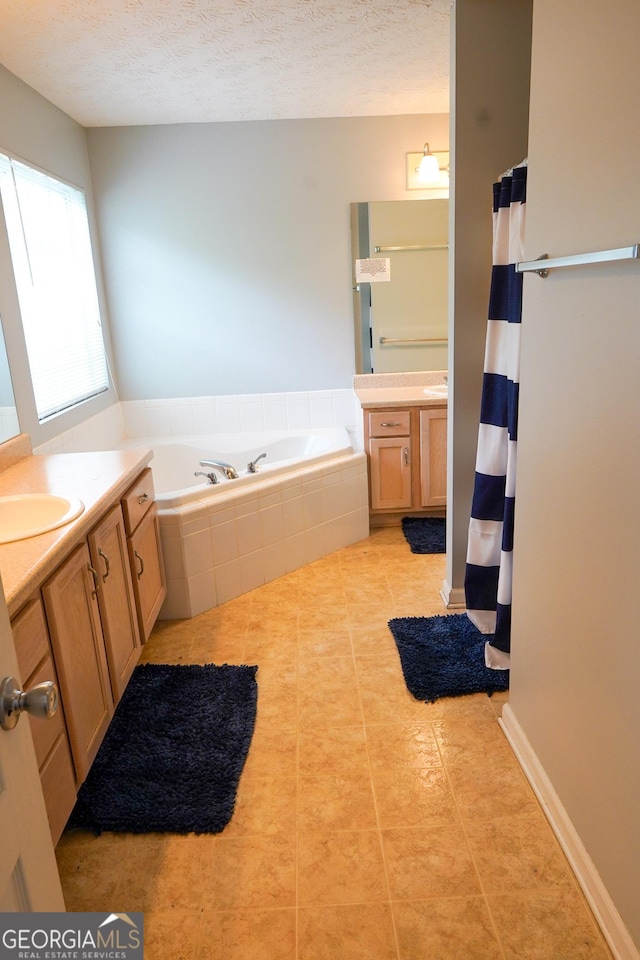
(543, 264)
(442, 246)
(384, 340)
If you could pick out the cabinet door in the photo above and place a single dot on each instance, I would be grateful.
(148, 573)
(390, 471)
(433, 457)
(72, 612)
(110, 558)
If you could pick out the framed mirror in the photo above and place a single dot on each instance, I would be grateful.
(9, 426)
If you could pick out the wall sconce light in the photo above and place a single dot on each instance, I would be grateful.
(427, 170)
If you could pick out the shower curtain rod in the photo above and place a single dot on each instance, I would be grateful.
(599, 256)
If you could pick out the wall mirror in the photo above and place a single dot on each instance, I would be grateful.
(401, 321)
(9, 426)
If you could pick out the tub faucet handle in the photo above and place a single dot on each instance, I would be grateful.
(251, 466)
(211, 477)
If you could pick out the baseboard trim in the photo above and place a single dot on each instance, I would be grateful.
(452, 596)
(613, 928)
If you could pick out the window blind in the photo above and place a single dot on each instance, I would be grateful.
(50, 247)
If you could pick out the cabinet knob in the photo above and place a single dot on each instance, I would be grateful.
(391, 423)
(41, 701)
(143, 498)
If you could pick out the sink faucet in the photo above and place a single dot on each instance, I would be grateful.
(225, 468)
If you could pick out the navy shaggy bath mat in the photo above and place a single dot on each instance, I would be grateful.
(444, 657)
(172, 757)
(425, 534)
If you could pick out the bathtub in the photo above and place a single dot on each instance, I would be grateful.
(308, 498)
(176, 460)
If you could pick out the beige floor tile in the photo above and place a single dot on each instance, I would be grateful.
(401, 746)
(468, 742)
(166, 873)
(257, 871)
(328, 693)
(427, 862)
(278, 692)
(383, 693)
(336, 801)
(457, 928)
(491, 791)
(340, 867)
(314, 643)
(88, 870)
(514, 854)
(332, 750)
(171, 935)
(264, 805)
(273, 752)
(362, 931)
(247, 935)
(546, 926)
(414, 798)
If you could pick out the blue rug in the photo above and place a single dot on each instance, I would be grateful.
(172, 757)
(444, 657)
(425, 534)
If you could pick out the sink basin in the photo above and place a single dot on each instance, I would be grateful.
(30, 514)
(437, 390)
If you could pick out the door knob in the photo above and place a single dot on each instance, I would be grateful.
(40, 701)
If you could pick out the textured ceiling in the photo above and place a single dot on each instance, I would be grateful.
(122, 62)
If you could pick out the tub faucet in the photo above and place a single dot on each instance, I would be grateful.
(251, 466)
(226, 468)
(211, 477)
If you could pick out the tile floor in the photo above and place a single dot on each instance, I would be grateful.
(368, 825)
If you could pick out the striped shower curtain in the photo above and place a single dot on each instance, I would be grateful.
(490, 545)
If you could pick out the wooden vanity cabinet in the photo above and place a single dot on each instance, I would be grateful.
(49, 736)
(118, 616)
(407, 452)
(145, 551)
(71, 605)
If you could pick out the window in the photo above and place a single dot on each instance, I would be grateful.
(50, 246)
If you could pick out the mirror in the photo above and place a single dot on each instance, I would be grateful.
(401, 313)
(9, 426)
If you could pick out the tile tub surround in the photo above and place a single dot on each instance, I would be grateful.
(220, 547)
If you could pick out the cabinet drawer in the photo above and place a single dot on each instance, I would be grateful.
(137, 500)
(31, 639)
(392, 423)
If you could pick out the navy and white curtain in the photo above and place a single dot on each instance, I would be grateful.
(488, 571)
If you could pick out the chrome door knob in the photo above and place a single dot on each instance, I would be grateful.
(41, 701)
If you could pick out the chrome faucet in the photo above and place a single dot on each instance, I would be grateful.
(226, 468)
(251, 466)
(211, 477)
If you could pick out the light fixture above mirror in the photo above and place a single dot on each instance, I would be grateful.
(428, 170)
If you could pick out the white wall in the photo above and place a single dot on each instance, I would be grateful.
(227, 247)
(575, 678)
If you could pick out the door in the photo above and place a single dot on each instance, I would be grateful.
(29, 878)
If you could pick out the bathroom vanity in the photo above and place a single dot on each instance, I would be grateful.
(405, 438)
(82, 600)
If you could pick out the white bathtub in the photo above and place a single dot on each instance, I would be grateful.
(308, 499)
(176, 459)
